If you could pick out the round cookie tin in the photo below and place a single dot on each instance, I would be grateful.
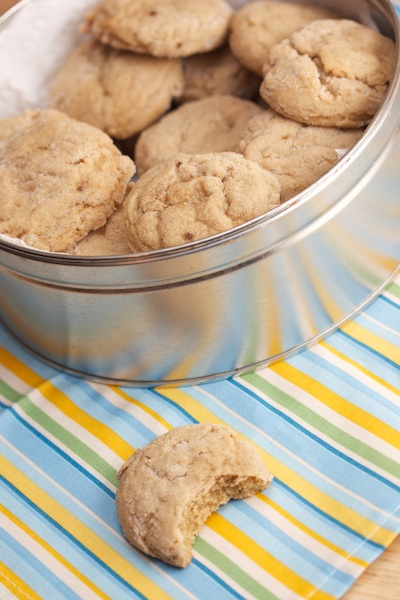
(233, 302)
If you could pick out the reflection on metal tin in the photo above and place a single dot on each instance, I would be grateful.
(233, 302)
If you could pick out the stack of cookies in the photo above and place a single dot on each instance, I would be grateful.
(224, 114)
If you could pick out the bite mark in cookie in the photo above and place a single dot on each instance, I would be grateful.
(168, 488)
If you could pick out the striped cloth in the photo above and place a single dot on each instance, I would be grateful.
(326, 421)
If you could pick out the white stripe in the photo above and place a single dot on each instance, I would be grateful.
(96, 517)
(312, 544)
(130, 406)
(74, 428)
(6, 594)
(302, 462)
(330, 415)
(59, 444)
(264, 578)
(223, 576)
(382, 325)
(355, 372)
(14, 382)
(50, 562)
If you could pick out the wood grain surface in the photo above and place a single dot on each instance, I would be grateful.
(381, 581)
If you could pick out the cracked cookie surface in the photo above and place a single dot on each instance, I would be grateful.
(258, 26)
(109, 240)
(167, 28)
(297, 154)
(168, 488)
(330, 73)
(212, 124)
(119, 92)
(60, 179)
(191, 197)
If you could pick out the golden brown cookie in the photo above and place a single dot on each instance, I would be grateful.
(119, 92)
(258, 26)
(60, 179)
(212, 124)
(218, 72)
(190, 197)
(168, 28)
(168, 488)
(297, 154)
(330, 73)
(109, 240)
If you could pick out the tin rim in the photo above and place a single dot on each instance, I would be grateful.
(302, 198)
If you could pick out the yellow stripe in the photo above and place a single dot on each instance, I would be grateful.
(143, 407)
(360, 368)
(264, 559)
(21, 525)
(311, 533)
(343, 407)
(83, 534)
(66, 406)
(17, 587)
(324, 502)
(390, 351)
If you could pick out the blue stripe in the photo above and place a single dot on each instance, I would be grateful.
(316, 521)
(77, 481)
(329, 517)
(68, 459)
(65, 533)
(83, 562)
(100, 408)
(291, 553)
(376, 328)
(33, 571)
(361, 355)
(189, 577)
(221, 582)
(176, 405)
(115, 540)
(171, 412)
(370, 349)
(319, 441)
(347, 387)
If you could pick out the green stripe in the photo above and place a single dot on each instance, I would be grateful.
(69, 440)
(394, 289)
(232, 570)
(335, 433)
(8, 392)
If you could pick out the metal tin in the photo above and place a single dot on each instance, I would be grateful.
(233, 302)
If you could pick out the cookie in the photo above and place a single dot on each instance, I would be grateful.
(218, 72)
(109, 240)
(258, 26)
(164, 28)
(190, 197)
(119, 92)
(330, 73)
(212, 124)
(60, 179)
(168, 488)
(297, 154)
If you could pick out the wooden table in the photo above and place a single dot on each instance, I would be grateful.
(382, 579)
